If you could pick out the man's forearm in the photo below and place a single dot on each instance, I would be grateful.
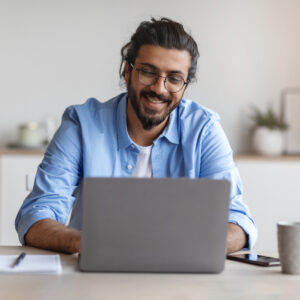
(51, 235)
(236, 238)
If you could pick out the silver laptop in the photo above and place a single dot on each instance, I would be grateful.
(154, 225)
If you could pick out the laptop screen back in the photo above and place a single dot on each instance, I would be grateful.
(154, 225)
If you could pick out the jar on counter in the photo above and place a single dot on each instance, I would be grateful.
(31, 135)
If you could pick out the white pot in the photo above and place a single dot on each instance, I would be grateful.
(268, 141)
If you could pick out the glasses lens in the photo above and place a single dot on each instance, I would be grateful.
(147, 77)
(174, 83)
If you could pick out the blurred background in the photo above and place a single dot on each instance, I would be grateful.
(60, 52)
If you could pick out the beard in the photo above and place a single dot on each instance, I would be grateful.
(149, 118)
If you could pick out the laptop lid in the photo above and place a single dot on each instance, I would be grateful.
(154, 225)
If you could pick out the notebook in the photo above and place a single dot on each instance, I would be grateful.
(41, 264)
(154, 225)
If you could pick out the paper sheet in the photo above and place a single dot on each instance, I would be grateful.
(42, 264)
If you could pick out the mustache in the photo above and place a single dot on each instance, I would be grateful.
(154, 95)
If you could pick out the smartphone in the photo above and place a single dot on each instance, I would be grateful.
(255, 259)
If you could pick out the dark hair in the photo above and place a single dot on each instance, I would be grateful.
(164, 33)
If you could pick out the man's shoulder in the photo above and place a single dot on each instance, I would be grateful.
(93, 106)
(189, 109)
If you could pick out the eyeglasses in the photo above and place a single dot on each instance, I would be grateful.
(173, 82)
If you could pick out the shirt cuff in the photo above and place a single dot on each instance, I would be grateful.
(28, 220)
(247, 225)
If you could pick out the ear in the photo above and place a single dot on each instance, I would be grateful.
(127, 72)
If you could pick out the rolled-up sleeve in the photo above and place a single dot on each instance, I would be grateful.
(217, 163)
(56, 179)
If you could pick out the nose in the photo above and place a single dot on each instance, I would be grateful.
(159, 86)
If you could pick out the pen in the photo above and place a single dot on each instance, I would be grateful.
(19, 259)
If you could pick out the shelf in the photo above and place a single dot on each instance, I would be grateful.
(237, 157)
(253, 156)
(21, 151)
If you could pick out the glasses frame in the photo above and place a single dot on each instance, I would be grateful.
(156, 79)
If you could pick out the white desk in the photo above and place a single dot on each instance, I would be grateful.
(238, 281)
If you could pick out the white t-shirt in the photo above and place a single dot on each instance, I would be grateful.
(143, 167)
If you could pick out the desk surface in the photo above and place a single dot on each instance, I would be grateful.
(238, 281)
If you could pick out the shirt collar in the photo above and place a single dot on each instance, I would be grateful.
(171, 132)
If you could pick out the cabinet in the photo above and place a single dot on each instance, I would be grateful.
(14, 165)
(272, 192)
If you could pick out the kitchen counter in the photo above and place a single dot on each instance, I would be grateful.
(21, 151)
(239, 157)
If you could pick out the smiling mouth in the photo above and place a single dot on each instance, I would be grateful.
(155, 100)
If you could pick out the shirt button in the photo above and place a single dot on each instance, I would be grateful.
(132, 146)
(129, 166)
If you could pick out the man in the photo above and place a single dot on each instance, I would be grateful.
(151, 131)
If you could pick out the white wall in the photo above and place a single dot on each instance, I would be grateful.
(57, 53)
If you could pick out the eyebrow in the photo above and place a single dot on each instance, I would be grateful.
(154, 67)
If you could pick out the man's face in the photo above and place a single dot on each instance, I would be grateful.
(153, 104)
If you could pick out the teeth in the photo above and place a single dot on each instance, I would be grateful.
(154, 101)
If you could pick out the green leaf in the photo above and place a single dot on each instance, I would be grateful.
(268, 119)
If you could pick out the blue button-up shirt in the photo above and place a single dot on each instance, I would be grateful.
(93, 141)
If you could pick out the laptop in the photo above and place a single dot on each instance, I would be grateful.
(154, 225)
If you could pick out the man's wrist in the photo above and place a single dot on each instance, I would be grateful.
(75, 240)
(236, 238)
(49, 234)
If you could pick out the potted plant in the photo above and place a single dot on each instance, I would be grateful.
(268, 138)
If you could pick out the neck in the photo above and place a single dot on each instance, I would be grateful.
(137, 133)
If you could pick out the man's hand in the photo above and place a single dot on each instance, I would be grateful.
(236, 238)
(51, 235)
